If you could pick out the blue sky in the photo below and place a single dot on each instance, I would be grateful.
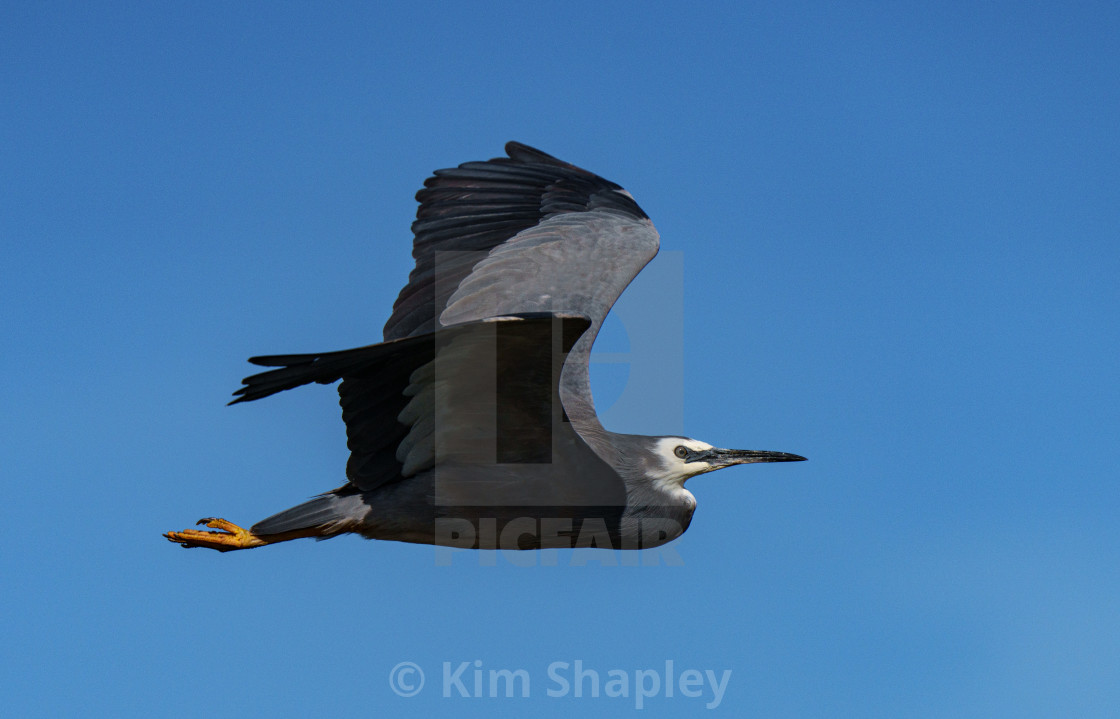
(897, 230)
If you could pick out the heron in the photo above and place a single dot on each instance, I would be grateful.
(472, 424)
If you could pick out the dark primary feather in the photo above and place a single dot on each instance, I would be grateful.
(295, 370)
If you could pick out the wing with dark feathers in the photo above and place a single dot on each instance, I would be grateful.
(527, 233)
(468, 211)
(485, 392)
(295, 370)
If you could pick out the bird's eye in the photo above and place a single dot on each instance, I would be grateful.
(681, 451)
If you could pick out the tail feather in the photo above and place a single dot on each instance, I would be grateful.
(329, 512)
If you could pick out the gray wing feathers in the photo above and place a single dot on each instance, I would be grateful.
(575, 263)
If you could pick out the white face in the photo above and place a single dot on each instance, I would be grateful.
(677, 467)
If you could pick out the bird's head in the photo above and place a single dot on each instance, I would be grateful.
(682, 457)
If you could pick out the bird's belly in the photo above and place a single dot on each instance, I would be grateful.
(409, 512)
(499, 507)
(514, 528)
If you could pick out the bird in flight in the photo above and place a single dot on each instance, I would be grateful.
(472, 424)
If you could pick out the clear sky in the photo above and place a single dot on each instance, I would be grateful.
(898, 229)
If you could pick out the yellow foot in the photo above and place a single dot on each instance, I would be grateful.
(230, 538)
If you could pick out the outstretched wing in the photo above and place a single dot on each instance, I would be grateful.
(479, 206)
(523, 233)
(480, 400)
(512, 236)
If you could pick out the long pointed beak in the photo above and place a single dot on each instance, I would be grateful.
(726, 457)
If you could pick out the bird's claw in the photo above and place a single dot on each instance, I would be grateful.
(228, 537)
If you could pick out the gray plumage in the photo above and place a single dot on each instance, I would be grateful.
(472, 424)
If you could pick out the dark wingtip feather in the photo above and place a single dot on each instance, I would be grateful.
(521, 152)
(283, 360)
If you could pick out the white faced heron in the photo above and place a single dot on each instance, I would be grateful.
(472, 424)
